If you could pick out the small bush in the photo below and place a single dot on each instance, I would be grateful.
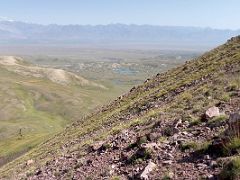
(234, 145)
(196, 108)
(231, 170)
(227, 148)
(186, 96)
(162, 139)
(116, 130)
(220, 118)
(218, 121)
(136, 122)
(140, 155)
(169, 131)
(225, 97)
(207, 92)
(141, 140)
(232, 87)
(115, 178)
(188, 146)
(195, 122)
(166, 177)
(203, 147)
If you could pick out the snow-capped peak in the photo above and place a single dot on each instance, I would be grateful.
(2, 18)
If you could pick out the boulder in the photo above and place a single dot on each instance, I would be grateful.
(212, 112)
(150, 167)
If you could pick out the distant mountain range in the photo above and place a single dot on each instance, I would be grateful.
(14, 32)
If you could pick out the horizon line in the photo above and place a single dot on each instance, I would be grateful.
(118, 23)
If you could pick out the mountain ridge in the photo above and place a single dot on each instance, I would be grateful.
(14, 32)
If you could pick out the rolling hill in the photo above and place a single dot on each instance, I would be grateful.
(174, 126)
(37, 102)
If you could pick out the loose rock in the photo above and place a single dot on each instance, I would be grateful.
(212, 112)
(150, 167)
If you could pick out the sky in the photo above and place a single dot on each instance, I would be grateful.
(221, 14)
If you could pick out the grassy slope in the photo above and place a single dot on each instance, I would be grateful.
(178, 92)
(40, 108)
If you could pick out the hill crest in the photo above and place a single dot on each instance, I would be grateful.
(19, 66)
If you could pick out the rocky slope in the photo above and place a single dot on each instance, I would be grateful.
(177, 125)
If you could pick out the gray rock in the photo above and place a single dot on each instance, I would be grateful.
(210, 176)
(169, 156)
(213, 164)
(168, 162)
(150, 167)
(212, 112)
(201, 166)
(207, 157)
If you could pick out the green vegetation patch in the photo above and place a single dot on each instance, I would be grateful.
(231, 170)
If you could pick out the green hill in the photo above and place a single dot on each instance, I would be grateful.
(38, 102)
(158, 128)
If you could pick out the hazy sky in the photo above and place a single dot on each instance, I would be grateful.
(204, 13)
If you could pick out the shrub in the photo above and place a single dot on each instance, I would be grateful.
(192, 120)
(217, 121)
(187, 96)
(115, 178)
(169, 131)
(234, 145)
(232, 87)
(141, 140)
(203, 147)
(225, 147)
(162, 139)
(225, 97)
(196, 108)
(188, 146)
(140, 155)
(231, 170)
(195, 122)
